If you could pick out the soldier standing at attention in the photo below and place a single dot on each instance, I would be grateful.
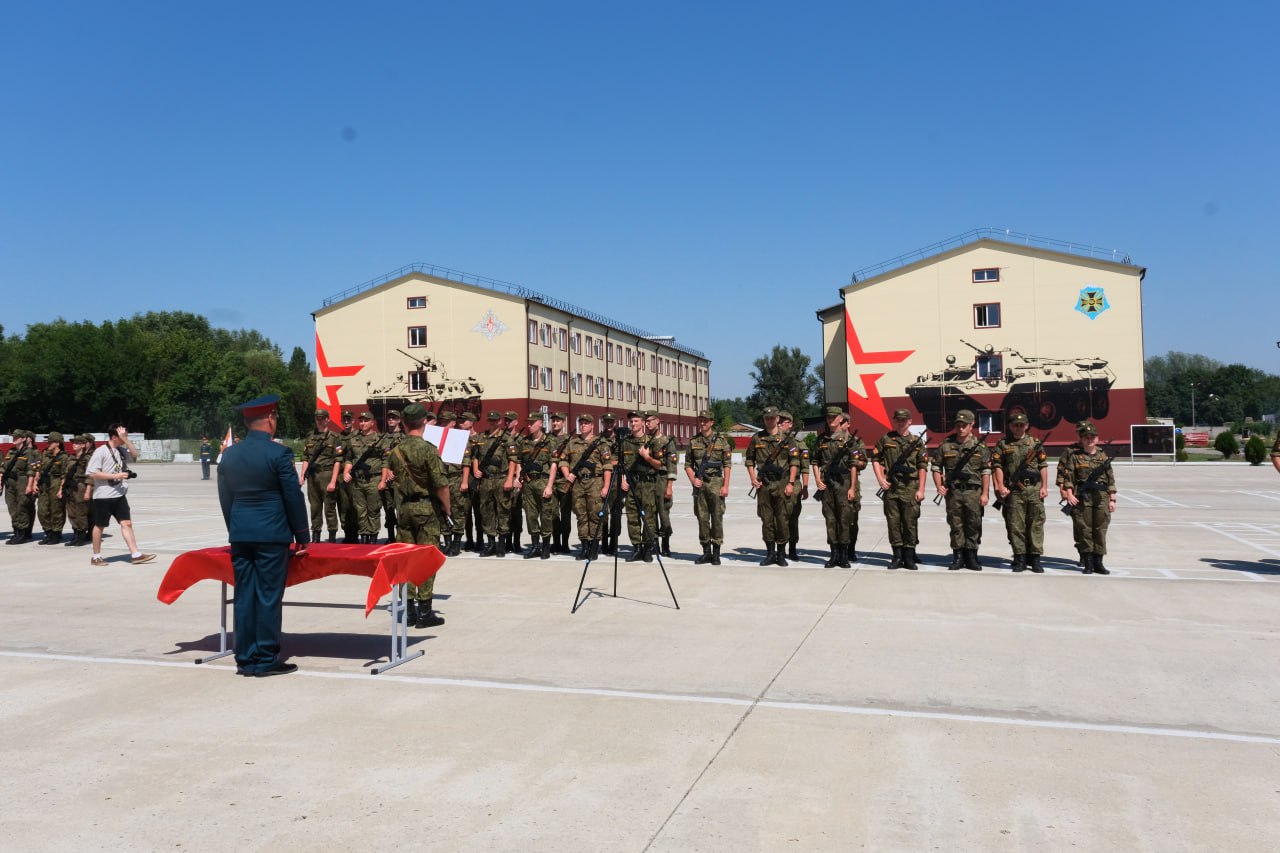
(900, 464)
(54, 464)
(74, 490)
(346, 500)
(1087, 483)
(361, 471)
(206, 457)
(963, 461)
(640, 475)
(664, 448)
(321, 465)
(460, 488)
(707, 467)
(837, 459)
(786, 423)
(614, 509)
(1022, 482)
(773, 464)
(392, 436)
(492, 466)
(422, 502)
(586, 464)
(535, 454)
(18, 478)
(563, 499)
(515, 508)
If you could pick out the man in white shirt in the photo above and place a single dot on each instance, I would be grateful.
(109, 471)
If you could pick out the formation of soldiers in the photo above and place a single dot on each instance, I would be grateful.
(49, 486)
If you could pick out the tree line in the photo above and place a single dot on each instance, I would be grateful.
(1223, 393)
(167, 374)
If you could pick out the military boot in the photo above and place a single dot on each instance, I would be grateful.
(844, 556)
(48, 539)
(957, 560)
(1035, 564)
(780, 555)
(515, 542)
(1019, 562)
(503, 542)
(391, 533)
(715, 555)
(490, 548)
(666, 546)
(1098, 568)
(457, 544)
(834, 559)
(637, 553)
(971, 560)
(768, 554)
(411, 613)
(534, 550)
(427, 617)
(909, 560)
(706, 556)
(315, 535)
(895, 562)
(546, 547)
(791, 550)
(850, 550)
(333, 536)
(1086, 560)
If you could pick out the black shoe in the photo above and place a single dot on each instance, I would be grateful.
(971, 560)
(705, 558)
(715, 555)
(957, 560)
(490, 548)
(844, 556)
(850, 554)
(780, 555)
(791, 551)
(834, 559)
(768, 554)
(546, 548)
(333, 536)
(666, 546)
(533, 552)
(427, 617)
(1086, 560)
(1098, 568)
(1019, 562)
(50, 540)
(391, 533)
(895, 562)
(411, 612)
(278, 669)
(649, 550)
(637, 553)
(909, 558)
(501, 549)
(1035, 564)
(515, 543)
(315, 536)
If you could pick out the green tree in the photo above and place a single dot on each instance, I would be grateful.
(783, 379)
(1255, 450)
(1226, 444)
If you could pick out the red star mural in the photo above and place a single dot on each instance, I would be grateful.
(869, 401)
(326, 372)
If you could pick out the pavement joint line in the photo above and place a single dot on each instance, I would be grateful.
(747, 704)
(1241, 539)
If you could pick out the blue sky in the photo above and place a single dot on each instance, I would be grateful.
(712, 171)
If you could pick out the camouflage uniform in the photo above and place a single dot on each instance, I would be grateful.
(419, 476)
(76, 493)
(1091, 516)
(642, 496)
(322, 451)
(365, 454)
(590, 462)
(709, 459)
(1019, 464)
(901, 509)
(347, 514)
(394, 436)
(838, 457)
(492, 455)
(459, 500)
(799, 494)
(17, 469)
(52, 507)
(563, 495)
(536, 458)
(773, 460)
(969, 483)
(664, 448)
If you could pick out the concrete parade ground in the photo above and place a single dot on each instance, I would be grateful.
(797, 708)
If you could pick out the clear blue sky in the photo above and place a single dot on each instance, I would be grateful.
(709, 170)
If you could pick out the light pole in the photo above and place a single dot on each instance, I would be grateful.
(1193, 405)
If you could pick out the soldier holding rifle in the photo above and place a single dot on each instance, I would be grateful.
(962, 476)
(1021, 473)
(900, 462)
(321, 464)
(1088, 488)
(707, 467)
(773, 464)
(586, 463)
(837, 459)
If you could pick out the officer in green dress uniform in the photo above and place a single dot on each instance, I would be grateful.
(321, 465)
(586, 464)
(900, 463)
(773, 464)
(422, 503)
(838, 457)
(1021, 474)
(707, 466)
(1087, 482)
(963, 460)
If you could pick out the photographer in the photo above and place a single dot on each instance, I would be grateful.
(109, 470)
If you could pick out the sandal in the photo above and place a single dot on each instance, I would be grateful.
(97, 560)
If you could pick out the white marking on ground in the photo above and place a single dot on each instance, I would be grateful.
(1222, 530)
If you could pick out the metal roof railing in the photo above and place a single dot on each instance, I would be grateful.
(514, 290)
(1004, 235)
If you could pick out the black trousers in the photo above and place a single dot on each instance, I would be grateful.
(260, 572)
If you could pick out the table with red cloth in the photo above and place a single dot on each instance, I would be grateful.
(389, 567)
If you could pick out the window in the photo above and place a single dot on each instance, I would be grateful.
(630, 356)
(575, 342)
(546, 378)
(417, 336)
(590, 352)
(564, 382)
(417, 380)
(668, 398)
(986, 315)
(989, 366)
(576, 386)
(533, 376)
(631, 392)
(641, 393)
(563, 335)
(533, 331)
(599, 385)
(989, 422)
(641, 357)
(608, 351)
(545, 334)
(609, 388)
(591, 386)
(990, 274)
(416, 302)
(599, 348)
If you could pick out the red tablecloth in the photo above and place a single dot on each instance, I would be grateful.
(385, 565)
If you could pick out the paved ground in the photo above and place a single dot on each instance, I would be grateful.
(801, 708)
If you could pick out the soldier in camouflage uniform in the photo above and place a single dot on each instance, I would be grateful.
(321, 465)
(786, 423)
(641, 473)
(394, 434)
(19, 474)
(535, 457)
(963, 460)
(1275, 454)
(1087, 482)
(900, 462)
(707, 466)
(493, 472)
(1021, 473)
(54, 464)
(364, 454)
(586, 464)
(773, 464)
(608, 426)
(76, 491)
(422, 503)
(462, 500)
(837, 459)
(563, 498)
(663, 447)
(346, 499)
(514, 503)
(453, 472)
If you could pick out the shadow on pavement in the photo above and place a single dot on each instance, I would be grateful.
(1261, 567)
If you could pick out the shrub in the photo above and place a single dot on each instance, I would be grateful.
(1226, 444)
(1255, 450)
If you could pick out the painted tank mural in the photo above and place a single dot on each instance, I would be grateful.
(431, 386)
(1049, 390)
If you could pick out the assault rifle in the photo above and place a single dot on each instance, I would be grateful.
(311, 462)
(1024, 472)
(700, 473)
(1090, 483)
(582, 465)
(768, 472)
(957, 475)
(899, 468)
(360, 466)
(833, 472)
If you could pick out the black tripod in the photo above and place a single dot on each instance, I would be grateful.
(615, 493)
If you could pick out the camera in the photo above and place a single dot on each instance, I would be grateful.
(132, 474)
(621, 431)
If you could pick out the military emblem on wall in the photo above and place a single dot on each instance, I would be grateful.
(1092, 302)
(489, 326)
